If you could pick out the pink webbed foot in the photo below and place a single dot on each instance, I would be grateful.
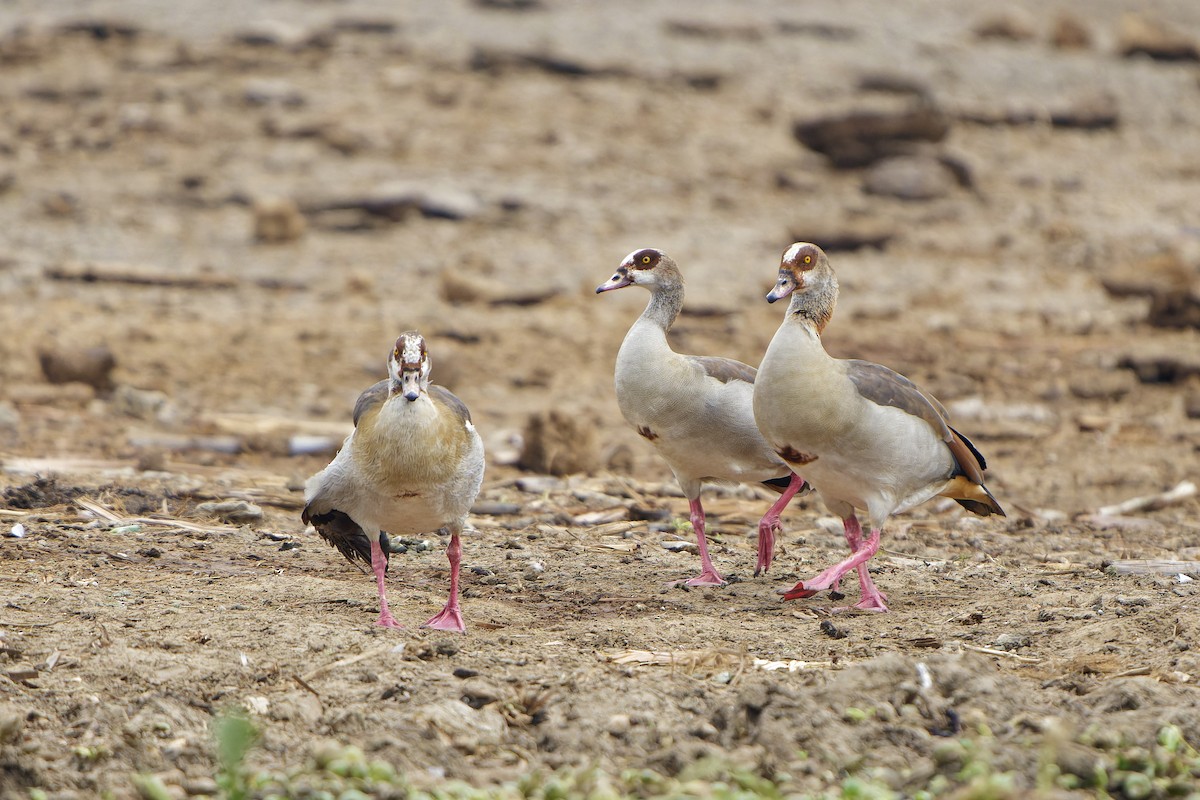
(708, 573)
(448, 619)
(770, 526)
(708, 577)
(767, 529)
(872, 599)
(379, 566)
(386, 620)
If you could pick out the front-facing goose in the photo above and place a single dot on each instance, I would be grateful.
(695, 410)
(413, 464)
(867, 437)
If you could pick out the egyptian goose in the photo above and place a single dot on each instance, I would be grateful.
(412, 464)
(696, 410)
(867, 437)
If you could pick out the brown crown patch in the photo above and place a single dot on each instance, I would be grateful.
(794, 456)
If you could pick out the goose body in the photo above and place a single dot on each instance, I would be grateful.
(867, 437)
(697, 411)
(413, 464)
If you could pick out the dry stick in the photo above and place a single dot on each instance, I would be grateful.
(305, 685)
(1152, 566)
(1182, 491)
(993, 652)
(116, 273)
(5, 624)
(1131, 673)
(345, 662)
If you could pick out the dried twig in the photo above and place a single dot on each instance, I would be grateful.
(1184, 490)
(991, 651)
(345, 662)
(166, 522)
(1153, 566)
(122, 273)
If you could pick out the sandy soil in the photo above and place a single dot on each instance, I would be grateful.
(246, 209)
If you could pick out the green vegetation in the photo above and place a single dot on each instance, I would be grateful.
(1103, 765)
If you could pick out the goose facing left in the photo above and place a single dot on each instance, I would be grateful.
(413, 464)
(696, 410)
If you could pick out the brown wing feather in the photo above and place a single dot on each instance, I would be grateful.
(725, 369)
(886, 387)
(375, 396)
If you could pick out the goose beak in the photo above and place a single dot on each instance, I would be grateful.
(620, 279)
(782, 289)
(410, 384)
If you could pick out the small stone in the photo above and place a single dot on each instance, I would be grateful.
(271, 92)
(1011, 641)
(278, 219)
(909, 178)
(1090, 112)
(873, 129)
(1148, 36)
(618, 724)
(1070, 33)
(91, 365)
(1013, 24)
(559, 443)
(235, 512)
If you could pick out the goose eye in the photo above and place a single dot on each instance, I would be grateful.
(808, 259)
(645, 259)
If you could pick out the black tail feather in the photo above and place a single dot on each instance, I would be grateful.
(346, 535)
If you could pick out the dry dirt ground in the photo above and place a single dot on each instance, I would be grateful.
(245, 205)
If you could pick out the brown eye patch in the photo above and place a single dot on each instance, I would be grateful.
(645, 259)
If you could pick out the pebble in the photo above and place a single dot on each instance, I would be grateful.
(872, 130)
(1143, 35)
(272, 92)
(1013, 24)
(236, 512)
(90, 365)
(1070, 33)
(278, 219)
(1011, 641)
(909, 178)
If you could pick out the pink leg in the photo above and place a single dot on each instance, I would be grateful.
(450, 617)
(379, 565)
(770, 525)
(872, 598)
(833, 575)
(708, 573)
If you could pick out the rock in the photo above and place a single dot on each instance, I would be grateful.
(1013, 24)
(1142, 35)
(271, 92)
(1191, 400)
(91, 365)
(873, 131)
(457, 724)
(844, 235)
(559, 443)
(895, 83)
(235, 512)
(278, 219)
(510, 5)
(394, 201)
(1070, 33)
(139, 403)
(1108, 385)
(714, 31)
(1011, 641)
(478, 692)
(1094, 112)
(1153, 368)
(1171, 283)
(270, 33)
(10, 417)
(909, 178)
